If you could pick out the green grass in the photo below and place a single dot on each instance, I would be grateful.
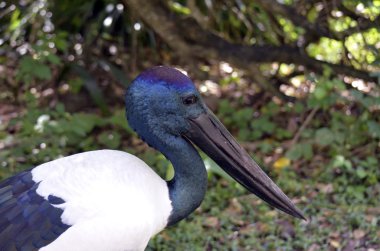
(231, 219)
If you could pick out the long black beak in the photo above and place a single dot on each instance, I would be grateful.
(209, 134)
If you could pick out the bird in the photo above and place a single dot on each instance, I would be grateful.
(110, 200)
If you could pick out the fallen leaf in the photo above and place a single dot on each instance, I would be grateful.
(234, 207)
(281, 163)
(314, 247)
(211, 222)
(262, 228)
(248, 230)
(325, 188)
(272, 213)
(334, 235)
(287, 229)
(335, 244)
(358, 234)
(373, 210)
(237, 221)
(369, 218)
(350, 246)
(165, 236)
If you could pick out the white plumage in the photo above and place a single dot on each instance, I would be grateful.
(113, 200)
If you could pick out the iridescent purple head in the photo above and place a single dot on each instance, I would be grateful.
(159, 100)
(166, 75)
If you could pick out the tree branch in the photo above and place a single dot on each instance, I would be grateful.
(316, 31)
(189, 39)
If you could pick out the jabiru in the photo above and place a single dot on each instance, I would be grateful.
(109, 200)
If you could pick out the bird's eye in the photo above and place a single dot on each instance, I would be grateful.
(189, 100)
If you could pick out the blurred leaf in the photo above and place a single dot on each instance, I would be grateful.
(60, 41)
(75, 84)
(300, 150)
(374, 128)
(117, 73)
(320, 92)
(53, 59)
(42, 71)
(324, 136)
(87, 120)
(361, 173)
(169, 173)
(27, 63)
(30, 68)
(119, 119)
(15, 20)
(110, 139)
(92, 87)
(281, 163)
(177, 7)
(341, 161)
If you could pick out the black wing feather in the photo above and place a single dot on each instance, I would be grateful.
(27, 221)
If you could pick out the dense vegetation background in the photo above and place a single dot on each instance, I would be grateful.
(296, 81)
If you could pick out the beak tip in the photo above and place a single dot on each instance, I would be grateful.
(298, 214)
(302, 217)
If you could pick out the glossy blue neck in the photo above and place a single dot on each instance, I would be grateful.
(188, 187)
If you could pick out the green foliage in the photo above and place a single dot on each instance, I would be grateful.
(46, 134)
(32, 69)
(300, 151)
(250, 128)
(90, 83)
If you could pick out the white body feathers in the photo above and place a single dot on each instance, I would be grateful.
(113, 200)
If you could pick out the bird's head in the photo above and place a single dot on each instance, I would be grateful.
(162, 105)
(160, 101)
